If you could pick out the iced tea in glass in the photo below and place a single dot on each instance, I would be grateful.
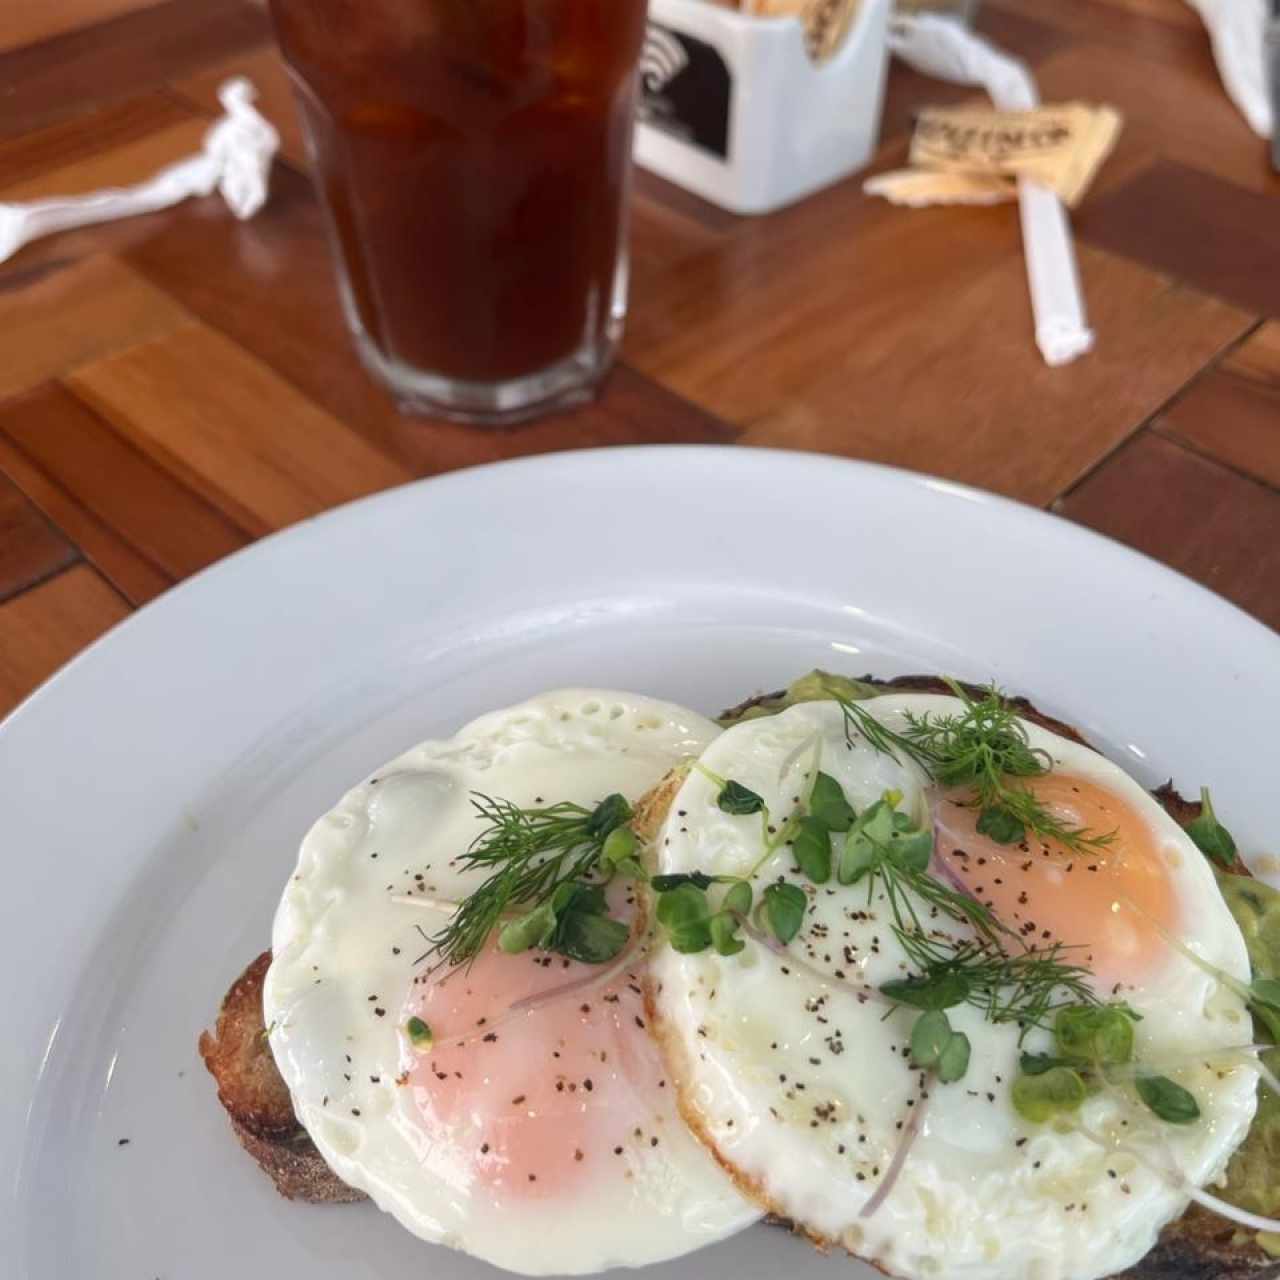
(472, 157)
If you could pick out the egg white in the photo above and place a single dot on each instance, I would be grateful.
(340, 939)
(803, 1087)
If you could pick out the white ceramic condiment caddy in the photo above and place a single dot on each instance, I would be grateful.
(733, 108)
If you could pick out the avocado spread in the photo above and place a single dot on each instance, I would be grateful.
(1253, 1176)
(817, 686)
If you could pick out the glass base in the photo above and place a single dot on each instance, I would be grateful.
(567, 383)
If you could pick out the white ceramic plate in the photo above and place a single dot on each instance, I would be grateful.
(153, 794)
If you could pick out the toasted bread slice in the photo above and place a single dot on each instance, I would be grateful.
(1202, 1246)
(257, 1100)
(1198, 1246)
(297, 1168)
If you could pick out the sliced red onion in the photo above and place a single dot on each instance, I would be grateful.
(945, 872)
(766, 940)
(595, 978)
(793, 757)
(894, 1171)
(635, 949)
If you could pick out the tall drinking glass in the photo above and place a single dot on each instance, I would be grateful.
(473, 157)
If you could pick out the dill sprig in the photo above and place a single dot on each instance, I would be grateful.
(531, 853)
(982, 748)
(993, 970)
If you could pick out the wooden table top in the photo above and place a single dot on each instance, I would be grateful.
(175, 386)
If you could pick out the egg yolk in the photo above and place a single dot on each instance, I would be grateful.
(1108, 904)
(533, 1099)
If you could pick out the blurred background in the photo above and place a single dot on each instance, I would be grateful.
(178, 384)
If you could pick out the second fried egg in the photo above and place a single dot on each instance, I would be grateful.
(796, 1070)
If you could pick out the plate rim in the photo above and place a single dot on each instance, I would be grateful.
(335, 517)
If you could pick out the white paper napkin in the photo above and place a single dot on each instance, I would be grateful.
(1236, 29)
(943, 48)
(235, 159)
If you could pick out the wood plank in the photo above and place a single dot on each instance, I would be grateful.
(632, 409)
(974, 401)
(270, 286)
(56, 318)
(30, 548)
(1174, 11)
(744, 328)
(275, 95)
(1209, 233)
(1233, 412)
(850, 326)
(667, 228)
(1258, 357)
(122, 58)
(649, 186)
(124, 506)
(29, 23)
(47, 626)
(1235, 420)
(1167, 38)
(233, 429)
(1177, 112)
(1201, 518)
(116, 166)
(133, 576)
(30, 155)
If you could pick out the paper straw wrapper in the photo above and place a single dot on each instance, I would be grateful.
(235, 160)
(1237, 30)
(942, 48)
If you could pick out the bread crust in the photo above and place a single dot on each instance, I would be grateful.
(256, 1098)
(297, 1168)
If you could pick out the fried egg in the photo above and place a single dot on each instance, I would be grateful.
(538, 1130)
(796, 1070)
